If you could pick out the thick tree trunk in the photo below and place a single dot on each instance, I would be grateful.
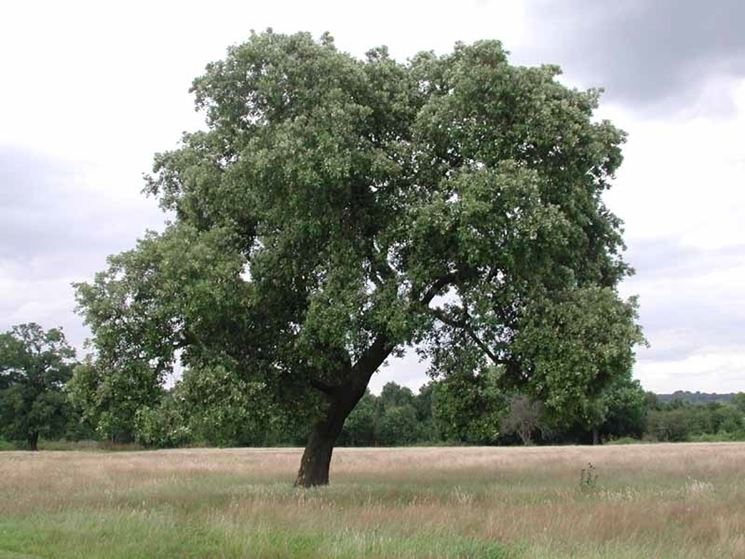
(316, 460)
(33, 441)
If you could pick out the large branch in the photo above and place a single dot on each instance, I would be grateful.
(327, 389)
(437, 286)
(463, 324)
(382, 346)
(373, 358)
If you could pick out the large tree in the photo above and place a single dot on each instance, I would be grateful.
(336, 211)
(34, 366)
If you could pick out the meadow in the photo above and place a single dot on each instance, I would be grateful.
(654, 500)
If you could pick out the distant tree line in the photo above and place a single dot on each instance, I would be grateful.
(696, 397)
(46, 394)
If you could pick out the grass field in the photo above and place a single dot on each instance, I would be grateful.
(674, 500)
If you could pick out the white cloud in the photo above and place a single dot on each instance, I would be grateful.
(682, 177)
(708, 371)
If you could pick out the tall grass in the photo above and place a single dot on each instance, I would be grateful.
(655, 500)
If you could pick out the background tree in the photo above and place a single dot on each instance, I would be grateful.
(396, 421)
(467, 407)
(222, 409)
(523, 417)
(397, 426)
(164, 426)
(360, 428)
(423, 403)
(393, 395)
(626, 414)
(738, 400)
(109, 399)
(34, 366)
(337, 211)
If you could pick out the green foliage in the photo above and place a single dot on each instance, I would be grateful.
(468, 407)
(697, 397)
(34, 366)
(336, 211)
(738, 400)
(579, 346)
(397, 417)
(423, 404)
(626, 410)
(163, 426)
(679, 421)
(219, 408)
(109, 399)
(669, 425)
(398, 426)
(392, 395)
(619, 410)
(360, 428)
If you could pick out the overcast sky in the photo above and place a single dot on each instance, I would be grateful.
(90, 90)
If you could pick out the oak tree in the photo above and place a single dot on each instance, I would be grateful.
(34, 366)
(336, 211)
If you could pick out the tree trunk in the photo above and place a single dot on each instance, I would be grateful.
(524, 434)
(595, 436)
(316, 460)
(33, 441)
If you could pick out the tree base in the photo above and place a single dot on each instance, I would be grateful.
(316, 461)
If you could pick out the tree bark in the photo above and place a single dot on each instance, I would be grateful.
(316, 460)
(33, 441)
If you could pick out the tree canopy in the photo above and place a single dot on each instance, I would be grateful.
(34, 366)
(337, 211)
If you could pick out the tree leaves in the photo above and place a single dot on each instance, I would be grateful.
(34, 366)
(337, 210)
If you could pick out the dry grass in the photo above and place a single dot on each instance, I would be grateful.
(672, 500)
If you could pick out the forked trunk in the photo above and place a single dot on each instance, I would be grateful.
(316, 460)
(33, 441)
